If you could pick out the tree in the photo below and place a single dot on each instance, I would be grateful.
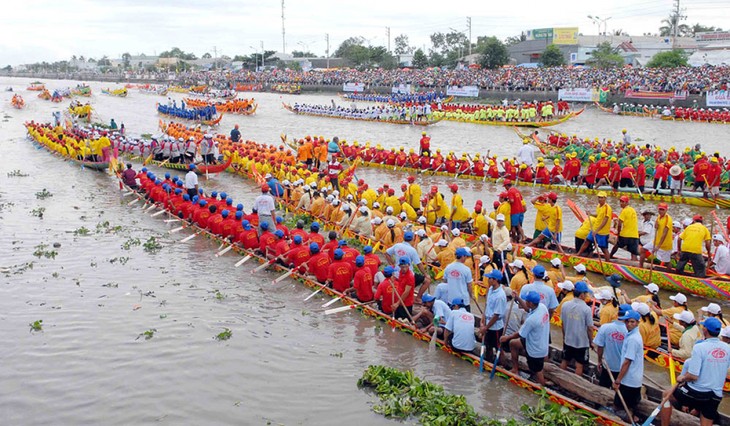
(552, 56)
(420, 60)
(402, 46)
(104, 61)
(671, 59)
(493, 53)
(605, 56)
(303, 54)
(697, 28)
(177, 53)
(7, 68)
(669, 24)
(509, 41)
(206, 55)
(126, 57)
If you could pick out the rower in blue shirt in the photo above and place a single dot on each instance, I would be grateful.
(699, 387)
(459, 333)
(494, 314)
(532, 338)
(608, 342)
(547, 294)
(459, 276)
(631, 375)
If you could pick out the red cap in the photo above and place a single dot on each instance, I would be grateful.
(624, 198)
(360, 182)
(385, 185)
(496, 204)
(663, 206)
(411, 178)
(478, 208)
(553, 196)
(391, 191)
(503, 195)
(507, 182)
(380, 189)
(434, 189)
(265, 188)
(697, 218)
(404, 187)
(479, 203)
(454, 187)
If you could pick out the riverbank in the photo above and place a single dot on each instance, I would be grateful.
(485, 95)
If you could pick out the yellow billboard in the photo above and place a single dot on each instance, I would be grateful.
(565, 35)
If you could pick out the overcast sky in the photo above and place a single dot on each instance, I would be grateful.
(37, 30)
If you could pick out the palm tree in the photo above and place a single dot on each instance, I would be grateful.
(669, 25)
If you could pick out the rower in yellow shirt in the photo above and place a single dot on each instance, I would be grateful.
(661, 247)
(628, 229)
(479, 223)
(600, 230)
(413, 193)
(408, 210)
(392, 201)
(458, 213)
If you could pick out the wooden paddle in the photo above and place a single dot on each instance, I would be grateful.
(224, 251)
(620, 395)
(656, 411)
(499, 350)
(244, 260)
(178, 229)
(672, 373)
(135, 201)
(190, 237)
(283, 276)
(346, 308)
(637, 188)
(332, 301)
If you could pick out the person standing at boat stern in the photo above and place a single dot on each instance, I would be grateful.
(265, 207)
(458, 277)
(532, 338)
(608, 343)
(191, 181)
(689, 246)
(577, 328)
(631, 374)
(700, 386)
(494, 313)
(235, 134)
(628, 229)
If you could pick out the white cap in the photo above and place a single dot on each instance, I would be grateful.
(687, 221)
(363, 209)
(325, 189)
(346, 207)
(685, 316)
(725, 332)
(527, 250)
(376, 205)
(313, 185)
(329, 198)
(390, 223)
(580, 267)
(403, 216)
(421, 233)
(442, 243)
(567, 285)
(718, 237)
(676, 224)
(335, 192)
(307, 189)
(556, 262)
(286, 182)
(363, 202)
(444, 228)
(483, 237)
(377, 221)
(349, 197)
(422, 219)
(653, 288)
(335, 202)
(484, 259)
(468, 250)
(500, 216)
(455, 232)
(679, 298)
(640, 307)
(517, 264)
(712, 308)
(389, 210)
(267, 176)
(604, 294)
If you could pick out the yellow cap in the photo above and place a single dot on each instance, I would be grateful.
(592, 158)
(556, 161)
(602, 194)
(642, 158)
(614, 159)
(623, 130)
(525, 140)
(523, 166)
(540, 159)
(423, 133)
(604, 155)
(713, 160)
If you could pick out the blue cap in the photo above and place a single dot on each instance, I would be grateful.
(314, 225)
(339, 253)
(224, 195)
(186, 197)
(458, 302)
(314, 247)
(495, 274)
(144, 169)
(532, 297)
(191, 166)
(200, 191)
(203, 202)
(167, 175)
(427, 298)
(279, 219)
(538, 271)
(367, 249)
(408, 236)
(297, 239)
(246, 225)
(388, 271)
(630, 315)
(342, 243)
(614, 280)
(178, 191)
(214, 194)
(239, 207)
(461, 252)
(713, 325)
(404, 261)
(239, 215)
(279, 233)
(360, 260)
(245, 222)
(195, 198)
(229, 201)
(582, 287)
(623, 308)
(224, 213)
(264, 225)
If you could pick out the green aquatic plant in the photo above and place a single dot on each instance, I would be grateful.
(42, 195)
(224, 335)
(152, 245)
(36, 325)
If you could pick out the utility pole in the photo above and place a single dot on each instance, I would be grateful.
(262, 55)
(387, 35)
(283, 29)
(327, 52)
(215, 56)
(676, 17)
(468, 25)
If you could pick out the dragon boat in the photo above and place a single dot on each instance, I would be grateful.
(647, 112)
(372, 120)
(93, 165)
(358, 97)
(533, 124)
(17, 102)
(36, 86)
(121, 93)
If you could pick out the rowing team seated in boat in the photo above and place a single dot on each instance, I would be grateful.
(381, 113)
(540, 111)
(233, 106)
(698, 114)
(515, 321)
(433, 98)
(80, 144)
(174, 151)
(203, 113)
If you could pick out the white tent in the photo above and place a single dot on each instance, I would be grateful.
(710, 57)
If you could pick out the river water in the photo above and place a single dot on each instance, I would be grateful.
(286, 363)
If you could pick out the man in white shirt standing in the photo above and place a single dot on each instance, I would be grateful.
(526, 154)
(646, 228)
(721, 260)
(191, 181)
(265, 207)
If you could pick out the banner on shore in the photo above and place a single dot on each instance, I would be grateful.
(565, 35)
(464, 91)
(720, 98)
(643, 94)
(401, 89)
(353, 87)
(577, 94)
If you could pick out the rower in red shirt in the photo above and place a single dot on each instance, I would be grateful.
(450, 164)
(556, 173)
(701, 171)
(405, 283)
(299, 230)
(425, 143)
(641, 174)
(280, 226)
(603, 167)
(413, 159)
(372, 260)
(340, 273)
(425, 162)
(510, 171)
(267, 240)
(493, 171)
(390, 157)
(478, 166)
(215, 220)
(248, 237)
(230, 227)
(362, 285)
(281, 247)
(661, 174)
(384, 294)
(401, 158)
(201, 216)
(318, 263)
(331, 245)
(525, 173)
(349, 253)
(542, 175)
(314, 235)
(615, 174)
(517, 210)
(463, 166)
(298, 254)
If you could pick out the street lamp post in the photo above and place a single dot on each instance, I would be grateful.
(256, 57)
(598, 21)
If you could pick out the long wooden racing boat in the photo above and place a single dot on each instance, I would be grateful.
(687, 120)
(357, 98)
(120, 93)
(646, 111)
(200, 168)
(534, 124)
(698, 200)
(93, 165)
(213, 122)
(372, 120)
(585, 408)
